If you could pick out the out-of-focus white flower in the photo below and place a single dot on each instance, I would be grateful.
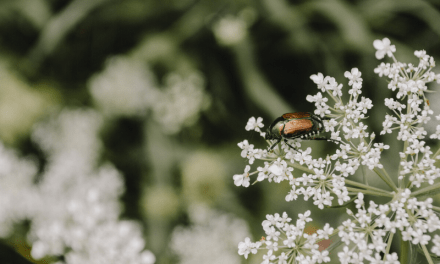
(212, 238)
(230, 30)
(72, 206)
(78, 204)
(179, 104)
(17, 191)
(126, 87)
(71, 132)
(112, 242)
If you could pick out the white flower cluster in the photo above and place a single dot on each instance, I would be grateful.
(17, 192)
(81, 221)
(411, 217)
(70, 135)
(205, 240)
(410, 82)
(180, 102)
(323, 179)
(291, 239)
(368, 237)
(112, 242)
(127, 87)
(74, 205)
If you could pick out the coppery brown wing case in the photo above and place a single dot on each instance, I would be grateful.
(296, 115)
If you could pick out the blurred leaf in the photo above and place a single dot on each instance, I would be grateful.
(256, 86)
(10, 256)
(292, 20)
(59, 25)
(421, 9)
(21, 106)
(353, 29)
(36, 11)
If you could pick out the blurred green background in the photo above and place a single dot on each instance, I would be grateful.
(177, 147)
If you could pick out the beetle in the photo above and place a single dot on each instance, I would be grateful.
(303, 125)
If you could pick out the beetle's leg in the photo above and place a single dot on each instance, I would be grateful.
(285, 141)
(274, 144)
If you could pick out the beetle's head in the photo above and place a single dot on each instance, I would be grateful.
(269, 135)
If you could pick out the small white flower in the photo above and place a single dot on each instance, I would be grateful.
(319, 80)
(354, 76)
(254, 124)
(242, 179)
(246, 247)
(383, 69)
(383, 47)
(246, 148)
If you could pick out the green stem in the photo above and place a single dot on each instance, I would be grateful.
(436, 153)
(361, 185)
(404, 249)
(390, 240)
(301, 167)
(364, 174)
(436, 208)
(386, 178)
(432, 189)
(370, 192)
(427, 255)
(405, 146)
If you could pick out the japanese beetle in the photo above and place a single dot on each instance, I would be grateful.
(303, 125)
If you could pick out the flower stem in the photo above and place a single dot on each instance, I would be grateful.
(364, 174)
(390, 240)
(301, 167)
(361, 185)
(386, 178)
(404, 248)
(427, 255)
(436, 153)
(436, 208)
(432, 189)
(370, 192)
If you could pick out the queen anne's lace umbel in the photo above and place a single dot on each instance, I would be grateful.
(367, 234)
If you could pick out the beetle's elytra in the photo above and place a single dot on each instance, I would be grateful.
(295, 127)
(296, 115)
(304, 125)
